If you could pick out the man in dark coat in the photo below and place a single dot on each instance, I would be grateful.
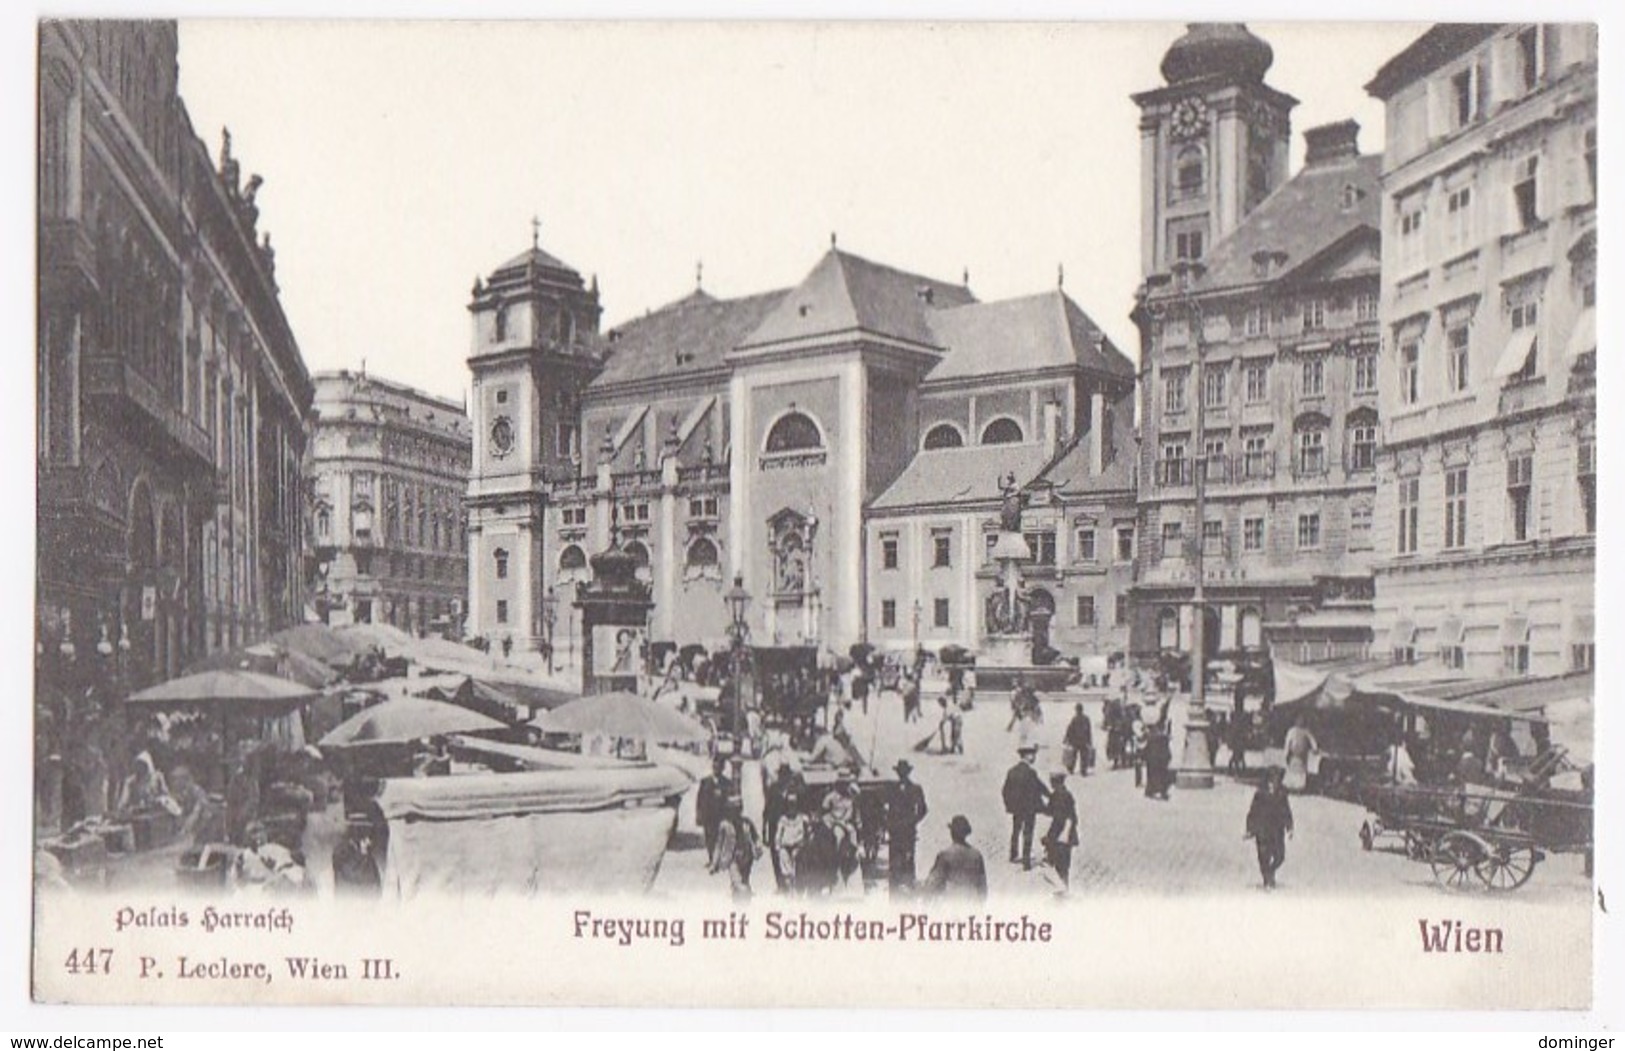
(711, 802)
(1062, 834)
(1025, 797)
(959, 871)
(1159, 759)
(1078, 744)
(1269, 823)
(904, 812)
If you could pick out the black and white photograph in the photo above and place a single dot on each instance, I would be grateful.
(709, 494)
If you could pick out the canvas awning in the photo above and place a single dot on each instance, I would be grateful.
(1516, 353)
(1451, 631)
(1403, 634)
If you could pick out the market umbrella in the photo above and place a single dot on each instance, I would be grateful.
(227, 686)
(268, 659)
(387, 637)
(319, 642)
(406, 719)
(620, 714)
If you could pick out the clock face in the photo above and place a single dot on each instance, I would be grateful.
(502, 436)
(1189, 118)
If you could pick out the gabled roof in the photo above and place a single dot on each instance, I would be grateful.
(699, 327)
(1300, 220)
(937, 477)
(1072, 475)
(1030, 332)
(844, 293)
(1431, 50)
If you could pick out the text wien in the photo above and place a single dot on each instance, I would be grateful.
(1455, 936)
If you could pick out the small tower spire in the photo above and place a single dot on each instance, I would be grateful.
(535, 232)
(699, 276)
(832, 238)
(1060, 275)
(965, 278)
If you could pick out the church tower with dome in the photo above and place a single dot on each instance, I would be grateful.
(1213, 142)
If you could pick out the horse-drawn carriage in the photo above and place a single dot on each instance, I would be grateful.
(1475, 836)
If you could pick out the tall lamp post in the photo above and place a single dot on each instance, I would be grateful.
(1196, 764)
(550, 615)
(738, 600)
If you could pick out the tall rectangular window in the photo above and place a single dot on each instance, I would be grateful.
(1526, 192)
(1041, 546)
(1085, 609)
(1314, 377)
(1256, 461)
(1410, 505)
(502, 611)
(1215, 464)
(1258, 383)
(1120, 611)
(888, 613)
(1125, 543)
(1252, 534)
(1312, 452)
(1458, 230)
(941, 549)
(1173, 539)
(1457, 342)
(1256, 322)
(1531, 67)
(1216, 387)
(1173, 390)
(1365, 373)
(1213, 538)
(1363, 447)
(1455, 507)
(888, 551)
(1410, 371)
(1314, 314)
(1086, 543)
(1462, 97)
(939, 613)
(1412, 243)
(1520, 485)
(1365, 306)
(1309, 531)
(1174, 468)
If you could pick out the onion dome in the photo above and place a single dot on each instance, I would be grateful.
(1213, 49)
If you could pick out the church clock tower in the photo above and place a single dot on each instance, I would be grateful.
(535, 349)
(1213, 142)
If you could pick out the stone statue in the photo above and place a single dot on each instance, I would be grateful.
(1013, 502)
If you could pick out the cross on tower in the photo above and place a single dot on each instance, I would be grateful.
(535, 232)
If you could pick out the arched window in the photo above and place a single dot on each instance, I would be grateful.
(792, 432)
(1168, 628)
(944, 436)
(500, 324)
(324, 524)
(572, 558)
(1002, 431)
(500, 556)
(703, 553)
(1190, 172)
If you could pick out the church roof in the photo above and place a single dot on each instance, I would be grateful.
(957, 476)
(1029, 332)
(541, 259)
(681, 338)
(1299, 221)
(847, 294)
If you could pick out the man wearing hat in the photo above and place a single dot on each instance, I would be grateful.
(904, 812)
(959, 871)
(1025, 797)
(841, 815)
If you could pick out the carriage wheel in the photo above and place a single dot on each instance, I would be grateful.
(1366, 836)
(1507, 866)
(1455, 860)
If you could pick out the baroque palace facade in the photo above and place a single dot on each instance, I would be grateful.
(838, 445)
(1487, 487)
(387, 468)
(172, 397)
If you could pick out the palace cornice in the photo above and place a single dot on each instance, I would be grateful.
(1528, 553)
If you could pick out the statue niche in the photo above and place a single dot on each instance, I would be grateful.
(790, 538)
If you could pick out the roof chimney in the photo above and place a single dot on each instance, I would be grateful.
(1331, 142)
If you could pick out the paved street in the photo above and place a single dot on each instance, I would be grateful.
(1130, 844)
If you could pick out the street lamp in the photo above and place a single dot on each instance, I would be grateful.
(738, 600)
(550, 613)
(1196, 765)
(916, 625)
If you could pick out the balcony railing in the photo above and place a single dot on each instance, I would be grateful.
(112, 377)
(1173, 472)
(1310, 464)
(636, 479)
(701, 473)
(1256, 466)
(580, 485)
(1360, 459)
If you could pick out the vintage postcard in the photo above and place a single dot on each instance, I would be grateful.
(1094, 515)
